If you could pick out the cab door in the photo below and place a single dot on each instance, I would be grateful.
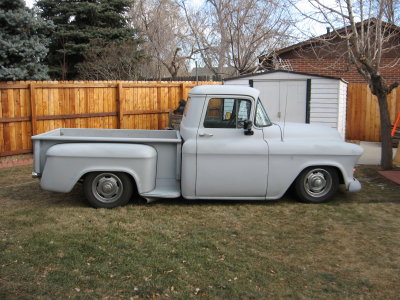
(230, 164)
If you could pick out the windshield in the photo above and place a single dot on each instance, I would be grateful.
(262, 119)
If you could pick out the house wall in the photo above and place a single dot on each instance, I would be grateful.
(336, 68)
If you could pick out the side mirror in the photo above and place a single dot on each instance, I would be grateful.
(247, 125)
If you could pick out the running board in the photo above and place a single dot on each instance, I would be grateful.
(165, 188)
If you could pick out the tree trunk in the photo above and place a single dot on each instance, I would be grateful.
(387, 151)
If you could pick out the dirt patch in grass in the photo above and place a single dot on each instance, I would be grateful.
(55, 246)
(16, 157)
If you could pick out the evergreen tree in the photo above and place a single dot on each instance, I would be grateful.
(23, 42)
(78, 22)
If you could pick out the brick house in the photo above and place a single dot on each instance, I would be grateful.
(325, 55)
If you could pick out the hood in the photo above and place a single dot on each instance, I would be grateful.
(292, 131)
(313, 139)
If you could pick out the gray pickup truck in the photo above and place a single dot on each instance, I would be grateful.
(226, 148)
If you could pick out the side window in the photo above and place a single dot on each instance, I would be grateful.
(243, 113)
(262, 119)
(227, 113)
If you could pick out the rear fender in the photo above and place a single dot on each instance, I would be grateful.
(67, 163)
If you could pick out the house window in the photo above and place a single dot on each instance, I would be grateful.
(227, 113)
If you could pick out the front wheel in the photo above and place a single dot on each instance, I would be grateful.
(107, 189)
(317, 184)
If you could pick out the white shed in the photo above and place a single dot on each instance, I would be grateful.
(300, 97)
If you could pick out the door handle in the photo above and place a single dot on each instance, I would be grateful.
(202, 133)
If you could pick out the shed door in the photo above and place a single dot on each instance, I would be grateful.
(284, 98)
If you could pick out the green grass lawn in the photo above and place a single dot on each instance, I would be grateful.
(55, 246)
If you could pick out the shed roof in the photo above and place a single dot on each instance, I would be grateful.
(283, 71)
(224, 90)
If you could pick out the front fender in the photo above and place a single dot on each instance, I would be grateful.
(67, 163)
(288, 159)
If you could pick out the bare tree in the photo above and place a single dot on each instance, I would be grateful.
(111, 61)
(163, 28)
(390, 9)
(207, 27)
(232, 33)
(366, 38)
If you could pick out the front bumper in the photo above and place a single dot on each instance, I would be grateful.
(354, 186)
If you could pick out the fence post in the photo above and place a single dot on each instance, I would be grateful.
(159, 104)
(183, 88)
(120, 107)
(33, 108)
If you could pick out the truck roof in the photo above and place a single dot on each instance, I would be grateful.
(224, 90)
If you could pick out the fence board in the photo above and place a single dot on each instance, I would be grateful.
(2, 138)
(363, 120)
(33, 107)
(24, 113)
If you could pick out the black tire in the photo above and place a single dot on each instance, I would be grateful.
(108, 189)
(317, 184)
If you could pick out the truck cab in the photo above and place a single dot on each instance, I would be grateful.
(221, 159)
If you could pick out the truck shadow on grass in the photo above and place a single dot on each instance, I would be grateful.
(374, 191)
(289, 198)
(17, 188)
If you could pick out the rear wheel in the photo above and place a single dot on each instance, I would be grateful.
(317, 184)
(108, 189)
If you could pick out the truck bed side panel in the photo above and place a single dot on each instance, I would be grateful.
(67, 163)
(167, 143)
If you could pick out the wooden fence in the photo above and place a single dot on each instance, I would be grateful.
(30, 108)
(363, 120)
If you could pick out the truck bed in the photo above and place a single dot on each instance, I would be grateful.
(112, 135)
(166, 142)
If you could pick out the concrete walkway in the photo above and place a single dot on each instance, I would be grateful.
(372, 153)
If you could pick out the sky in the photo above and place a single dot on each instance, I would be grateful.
(29, 3)
(311, 27)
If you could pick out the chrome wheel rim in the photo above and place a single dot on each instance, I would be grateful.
(107, 187)
(318, 182)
